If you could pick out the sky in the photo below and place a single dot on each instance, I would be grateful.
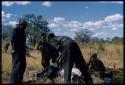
(103, 18)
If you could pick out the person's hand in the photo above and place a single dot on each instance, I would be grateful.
(54, 64)
(89, 82)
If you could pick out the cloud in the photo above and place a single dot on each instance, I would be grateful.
(53, 25)
(116, 26)
(73, 30)
(115, 17)
(108, 22)
(58, 29)
(6, 16)
(7, 3)
(47, 3)
(65, 33)
(111, 2)
(3, 13)
(60, 22)
(72, 24)
(91, 25)
(23, 2)
(86, 7)
(10, 3)
(58, 19)
(56, 22)
(99, 34)
(12, 23)
(113, 22)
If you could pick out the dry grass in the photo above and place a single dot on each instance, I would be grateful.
(110, 54)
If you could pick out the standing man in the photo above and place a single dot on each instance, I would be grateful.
(18, 42)
(70, 55)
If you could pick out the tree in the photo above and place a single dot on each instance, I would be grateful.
(108, 39)
(83, 36)
(36, 25)
(102, 40)
(117, 39)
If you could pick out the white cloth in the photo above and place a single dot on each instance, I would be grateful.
(75, 71)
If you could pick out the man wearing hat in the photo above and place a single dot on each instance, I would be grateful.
(18, 42)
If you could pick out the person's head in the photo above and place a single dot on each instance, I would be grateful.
(94, 56)
(17, 25)
(43, 37)
(50, 36)
(22, 24)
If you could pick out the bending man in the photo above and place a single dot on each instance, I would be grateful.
(70, 55)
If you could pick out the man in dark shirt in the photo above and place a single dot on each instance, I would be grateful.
(18, 42)
(70, 54)
(48, 52)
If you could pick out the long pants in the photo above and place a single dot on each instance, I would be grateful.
(18, 67)
(72, 55)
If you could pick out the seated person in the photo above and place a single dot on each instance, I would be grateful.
(96, 65)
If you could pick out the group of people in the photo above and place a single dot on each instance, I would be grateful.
(63, 51)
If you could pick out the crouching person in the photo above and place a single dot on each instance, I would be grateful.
(70, 54)
(48, 53)
(96, 65)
